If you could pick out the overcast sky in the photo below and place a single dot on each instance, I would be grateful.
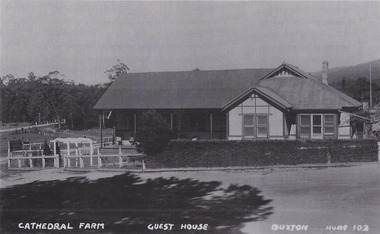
(82, 39)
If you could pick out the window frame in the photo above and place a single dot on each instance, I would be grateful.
(304, 126)
(320, 126)
(255, 126)
(323, 125)
(333, 125)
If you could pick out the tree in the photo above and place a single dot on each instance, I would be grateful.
(116, 70)
(367, 120)
(153, 132)
(48, 97)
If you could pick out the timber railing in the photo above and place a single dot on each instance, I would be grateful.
(29, 154)
(120, 160)
(78, 154)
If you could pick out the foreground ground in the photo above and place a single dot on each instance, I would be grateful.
(255, 201)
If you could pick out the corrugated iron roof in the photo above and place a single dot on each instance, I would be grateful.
(171, 90)
(216, 89)
(306, 94)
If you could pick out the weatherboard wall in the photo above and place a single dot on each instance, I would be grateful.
(255, 106)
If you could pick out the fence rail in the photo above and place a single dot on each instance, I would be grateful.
(75, 152)
(78, 158)
(30, 159)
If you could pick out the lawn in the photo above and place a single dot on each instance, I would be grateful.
(228, 201)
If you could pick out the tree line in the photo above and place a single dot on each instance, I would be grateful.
(359, 89)
(38, 99)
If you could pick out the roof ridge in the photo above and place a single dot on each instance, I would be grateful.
(191, 71)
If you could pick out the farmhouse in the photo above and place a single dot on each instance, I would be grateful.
(280, 103)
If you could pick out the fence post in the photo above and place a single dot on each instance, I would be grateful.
(68, 161)
(9, 149)
(56, 161)
(143, 165)
(76, 154)
(19, 162)
(120, 158)
(99, 159)
(81, 163)
(43, 161)
(64, 160)
(30, 161)
(91, 153)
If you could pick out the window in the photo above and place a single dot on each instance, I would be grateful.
(316, 126)
(262, 126)
(249, 128)
(329, 126)
(304, 126)
(255, 126)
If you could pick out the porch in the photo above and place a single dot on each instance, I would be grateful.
(185, 123)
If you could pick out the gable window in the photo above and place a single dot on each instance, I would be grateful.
(255, 126)
(316, 126)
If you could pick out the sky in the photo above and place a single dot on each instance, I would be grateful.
(83, 39)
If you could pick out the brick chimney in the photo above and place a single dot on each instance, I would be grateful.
(325, 69)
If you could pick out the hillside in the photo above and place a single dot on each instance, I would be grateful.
(351, 73)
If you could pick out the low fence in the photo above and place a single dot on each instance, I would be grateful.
(31, 155)
(21, 160)
(99, 160)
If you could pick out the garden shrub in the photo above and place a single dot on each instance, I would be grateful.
(153, 132)
(224, 153)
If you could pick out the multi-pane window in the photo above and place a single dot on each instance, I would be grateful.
(255, 126)
(262, 126)
(316, 126)
(329, 126)
(249, 127)
(304, 126)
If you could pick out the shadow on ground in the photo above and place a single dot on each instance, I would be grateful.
(126, 204)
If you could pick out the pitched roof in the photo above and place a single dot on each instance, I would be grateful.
(286, 86)
(170, 90)
(304, 91)
(265, 93)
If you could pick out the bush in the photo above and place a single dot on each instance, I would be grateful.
(153, 132)
(263, 153)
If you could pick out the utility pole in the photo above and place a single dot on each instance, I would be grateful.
(370, 86)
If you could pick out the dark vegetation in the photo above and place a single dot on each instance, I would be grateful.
(359, 89)
(39, 99)
(354, 80)
(126, 204)
(153, 133)
(262, 153)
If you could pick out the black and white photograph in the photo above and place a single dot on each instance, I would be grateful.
(236, 117)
